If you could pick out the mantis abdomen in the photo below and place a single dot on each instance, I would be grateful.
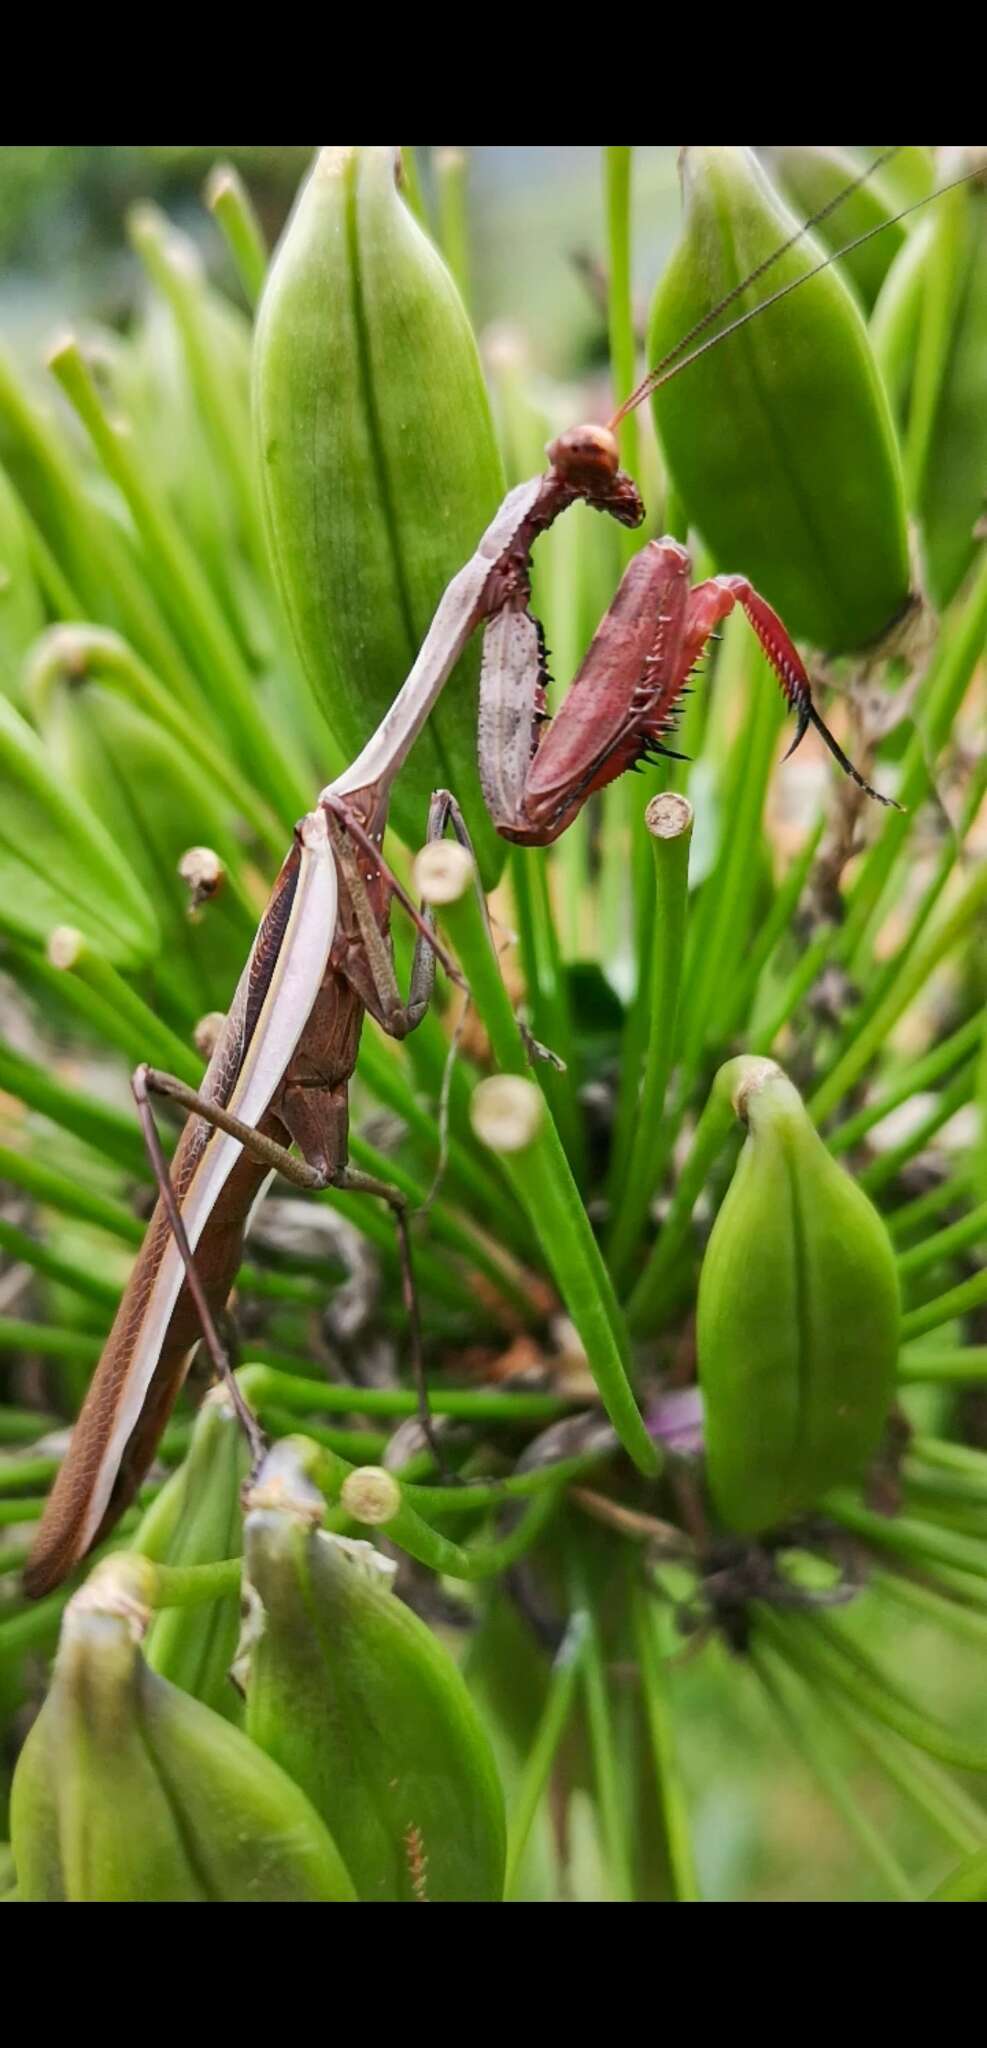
(143, 1366)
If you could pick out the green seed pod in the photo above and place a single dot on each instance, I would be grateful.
(894, 321)
(127, 1791)
(379, 466)
(780, 441)
(58, 864)
(22, 614)
(194, 1647)
(810, 177)
(798, 1315)
(156, 804)
(355, 1697)
(930, 338)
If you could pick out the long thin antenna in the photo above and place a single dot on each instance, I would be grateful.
(671, 365)
(759, 271)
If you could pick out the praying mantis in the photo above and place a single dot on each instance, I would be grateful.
(322, 958)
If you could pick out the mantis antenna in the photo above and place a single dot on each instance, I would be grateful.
(674, 362)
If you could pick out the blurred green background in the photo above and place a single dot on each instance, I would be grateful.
(536, 230)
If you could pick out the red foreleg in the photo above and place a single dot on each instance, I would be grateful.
(710, 602)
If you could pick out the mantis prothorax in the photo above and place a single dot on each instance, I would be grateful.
(322, 957)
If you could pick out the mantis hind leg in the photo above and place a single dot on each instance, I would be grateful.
(316, 1118)
(143, 1082)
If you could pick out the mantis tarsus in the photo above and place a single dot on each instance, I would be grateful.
(322, 957)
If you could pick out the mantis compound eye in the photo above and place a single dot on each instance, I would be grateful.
(585, 455)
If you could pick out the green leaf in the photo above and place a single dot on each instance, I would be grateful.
(58, 866)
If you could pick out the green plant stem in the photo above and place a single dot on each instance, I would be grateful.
(933, 1490)
(271, 1380)
(944, 1194)
(933, 1606)
(20, 1510)
(232, 208)
(387, 1078)
(32, 1627)
(19, 1475)
(373, 1220)
(61, 596)
(37, 1624)
(959, 1301)
(537, 1769)
(877, 977)
(359, 1446)
(195, 1584)
(801, 978)
(799, 1720)
(97, 651)
(913, 976)
(970, 1230)
(637, 1131)
(818, 1659)
(776, 926)
(603, 1750)
(542, 1179)
(959, 649)
(912, 1079)
(888, 1165)
(406, 1528)
(545, 986)
(947, 1367)
(69, 1196)
(958, 652)
(668, 1779)
(444, 1224)
(67, 1272)
(960, 1584)
(197, 613)
(659, 1279)
(44, 1341)
(94, 541)
(957, 1817)
(492, 1493)
(107, 1130)
(118, 1012)
(13, 1558)
(963, 1458)
(719, 932)
(909, 1536)
(25, 1425)
(182, 288)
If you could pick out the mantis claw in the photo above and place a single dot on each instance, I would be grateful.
(804, 721)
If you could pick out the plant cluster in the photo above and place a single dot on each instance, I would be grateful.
(697, 1172)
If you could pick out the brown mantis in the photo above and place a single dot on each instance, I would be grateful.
(322, 957)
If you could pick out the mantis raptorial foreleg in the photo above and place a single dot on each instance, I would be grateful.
(370, 966)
